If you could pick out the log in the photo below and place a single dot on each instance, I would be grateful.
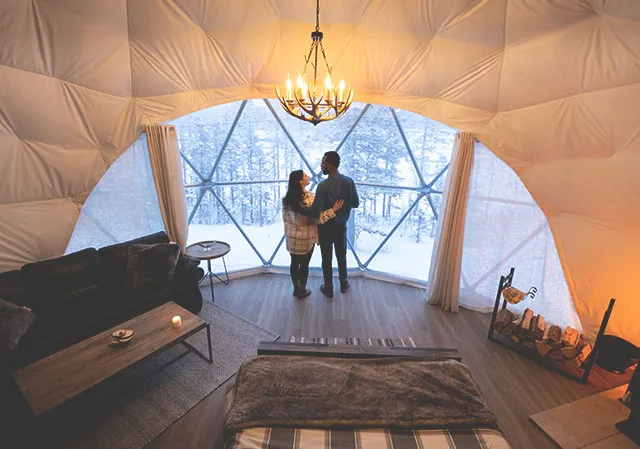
(542, 348)
(503, 319)
(540, 327)
(556, 354)
(570, 337)
(556, 345)
(555, 334)
(529, 344)
(515, 324)
(525, 325)
(515, 338)
(506, 331)
(545, 336)
(570, 352)
(584, 353)
(534, 326)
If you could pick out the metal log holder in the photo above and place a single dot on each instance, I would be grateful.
(587, 366)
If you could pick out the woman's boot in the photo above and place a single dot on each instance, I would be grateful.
(303, 292)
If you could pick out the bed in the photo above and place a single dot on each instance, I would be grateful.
(287, 402)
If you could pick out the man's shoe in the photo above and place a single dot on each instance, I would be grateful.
(344, 286)
(327, 291)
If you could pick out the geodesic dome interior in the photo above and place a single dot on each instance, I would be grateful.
(552, 88)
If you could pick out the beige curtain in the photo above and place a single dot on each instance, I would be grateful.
(167, 175)
(444, 275)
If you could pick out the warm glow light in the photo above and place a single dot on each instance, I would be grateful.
(289, 86)
(176, 321)
(314, 105)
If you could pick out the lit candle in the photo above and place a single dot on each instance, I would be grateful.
(300, 85)
(329, 86)
(341, 86)
(176, 321)
(289, 85)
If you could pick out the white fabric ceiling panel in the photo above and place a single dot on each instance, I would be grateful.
(596, 279)
(552, 87)
(47, 169)
(181, 58)
(35, 231)
(85, 43)
(20, 25)
(54, 111)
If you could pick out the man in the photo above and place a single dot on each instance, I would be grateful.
(333, 233)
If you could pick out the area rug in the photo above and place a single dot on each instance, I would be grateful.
(140, 404)
(406, 342)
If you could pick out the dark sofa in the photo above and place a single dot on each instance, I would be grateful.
(86, 292)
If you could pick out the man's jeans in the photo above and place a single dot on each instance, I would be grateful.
(333, 235)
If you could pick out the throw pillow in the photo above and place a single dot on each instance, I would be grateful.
(15, 321)
(152, 264)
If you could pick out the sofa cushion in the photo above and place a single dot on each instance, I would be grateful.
(14, 322)
(67, 285)
(12, 288)
(115, 257)
(152, 264)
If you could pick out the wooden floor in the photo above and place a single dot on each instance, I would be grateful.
(513, 385)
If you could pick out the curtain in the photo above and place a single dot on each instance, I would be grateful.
(505, 228)
(167, 175)
(443, 286)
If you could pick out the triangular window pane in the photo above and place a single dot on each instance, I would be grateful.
(258, 149)
(431, 143)
(314, 141)
(211, 222)
(375, 153)
(380, 210)
(201, 135)
(407, 253)
(257, 208)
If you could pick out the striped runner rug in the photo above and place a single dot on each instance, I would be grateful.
(406, 342)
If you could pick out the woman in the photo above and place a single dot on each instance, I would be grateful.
(301, 231)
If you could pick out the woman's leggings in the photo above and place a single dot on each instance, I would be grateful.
(299, 268)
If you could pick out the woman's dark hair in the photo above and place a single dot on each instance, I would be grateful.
(293, 198)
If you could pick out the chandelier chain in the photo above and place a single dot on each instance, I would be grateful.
(317, 15)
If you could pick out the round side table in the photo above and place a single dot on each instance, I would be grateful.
(209, 250)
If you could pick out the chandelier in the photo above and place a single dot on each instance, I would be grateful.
(313, 102)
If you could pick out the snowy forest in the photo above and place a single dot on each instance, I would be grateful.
(249, 179)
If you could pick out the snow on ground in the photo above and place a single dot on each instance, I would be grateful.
(400, 256)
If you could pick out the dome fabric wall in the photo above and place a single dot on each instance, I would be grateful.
(551, 87)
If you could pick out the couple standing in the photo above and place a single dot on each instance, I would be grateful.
(307, 222)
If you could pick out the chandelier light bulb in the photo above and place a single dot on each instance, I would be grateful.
(289, 87)
(307, 101)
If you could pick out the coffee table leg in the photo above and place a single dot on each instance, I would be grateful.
(192, 348)
(209, 343)
(210, 274)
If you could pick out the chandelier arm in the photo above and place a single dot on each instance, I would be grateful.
(302, 106)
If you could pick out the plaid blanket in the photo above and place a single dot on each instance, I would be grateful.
(291, 438)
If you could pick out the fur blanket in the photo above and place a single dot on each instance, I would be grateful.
(312, 392)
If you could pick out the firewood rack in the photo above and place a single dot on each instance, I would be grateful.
(586, 367)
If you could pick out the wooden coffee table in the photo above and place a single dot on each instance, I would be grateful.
(54, 380)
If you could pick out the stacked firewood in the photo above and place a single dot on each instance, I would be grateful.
(531, 331)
